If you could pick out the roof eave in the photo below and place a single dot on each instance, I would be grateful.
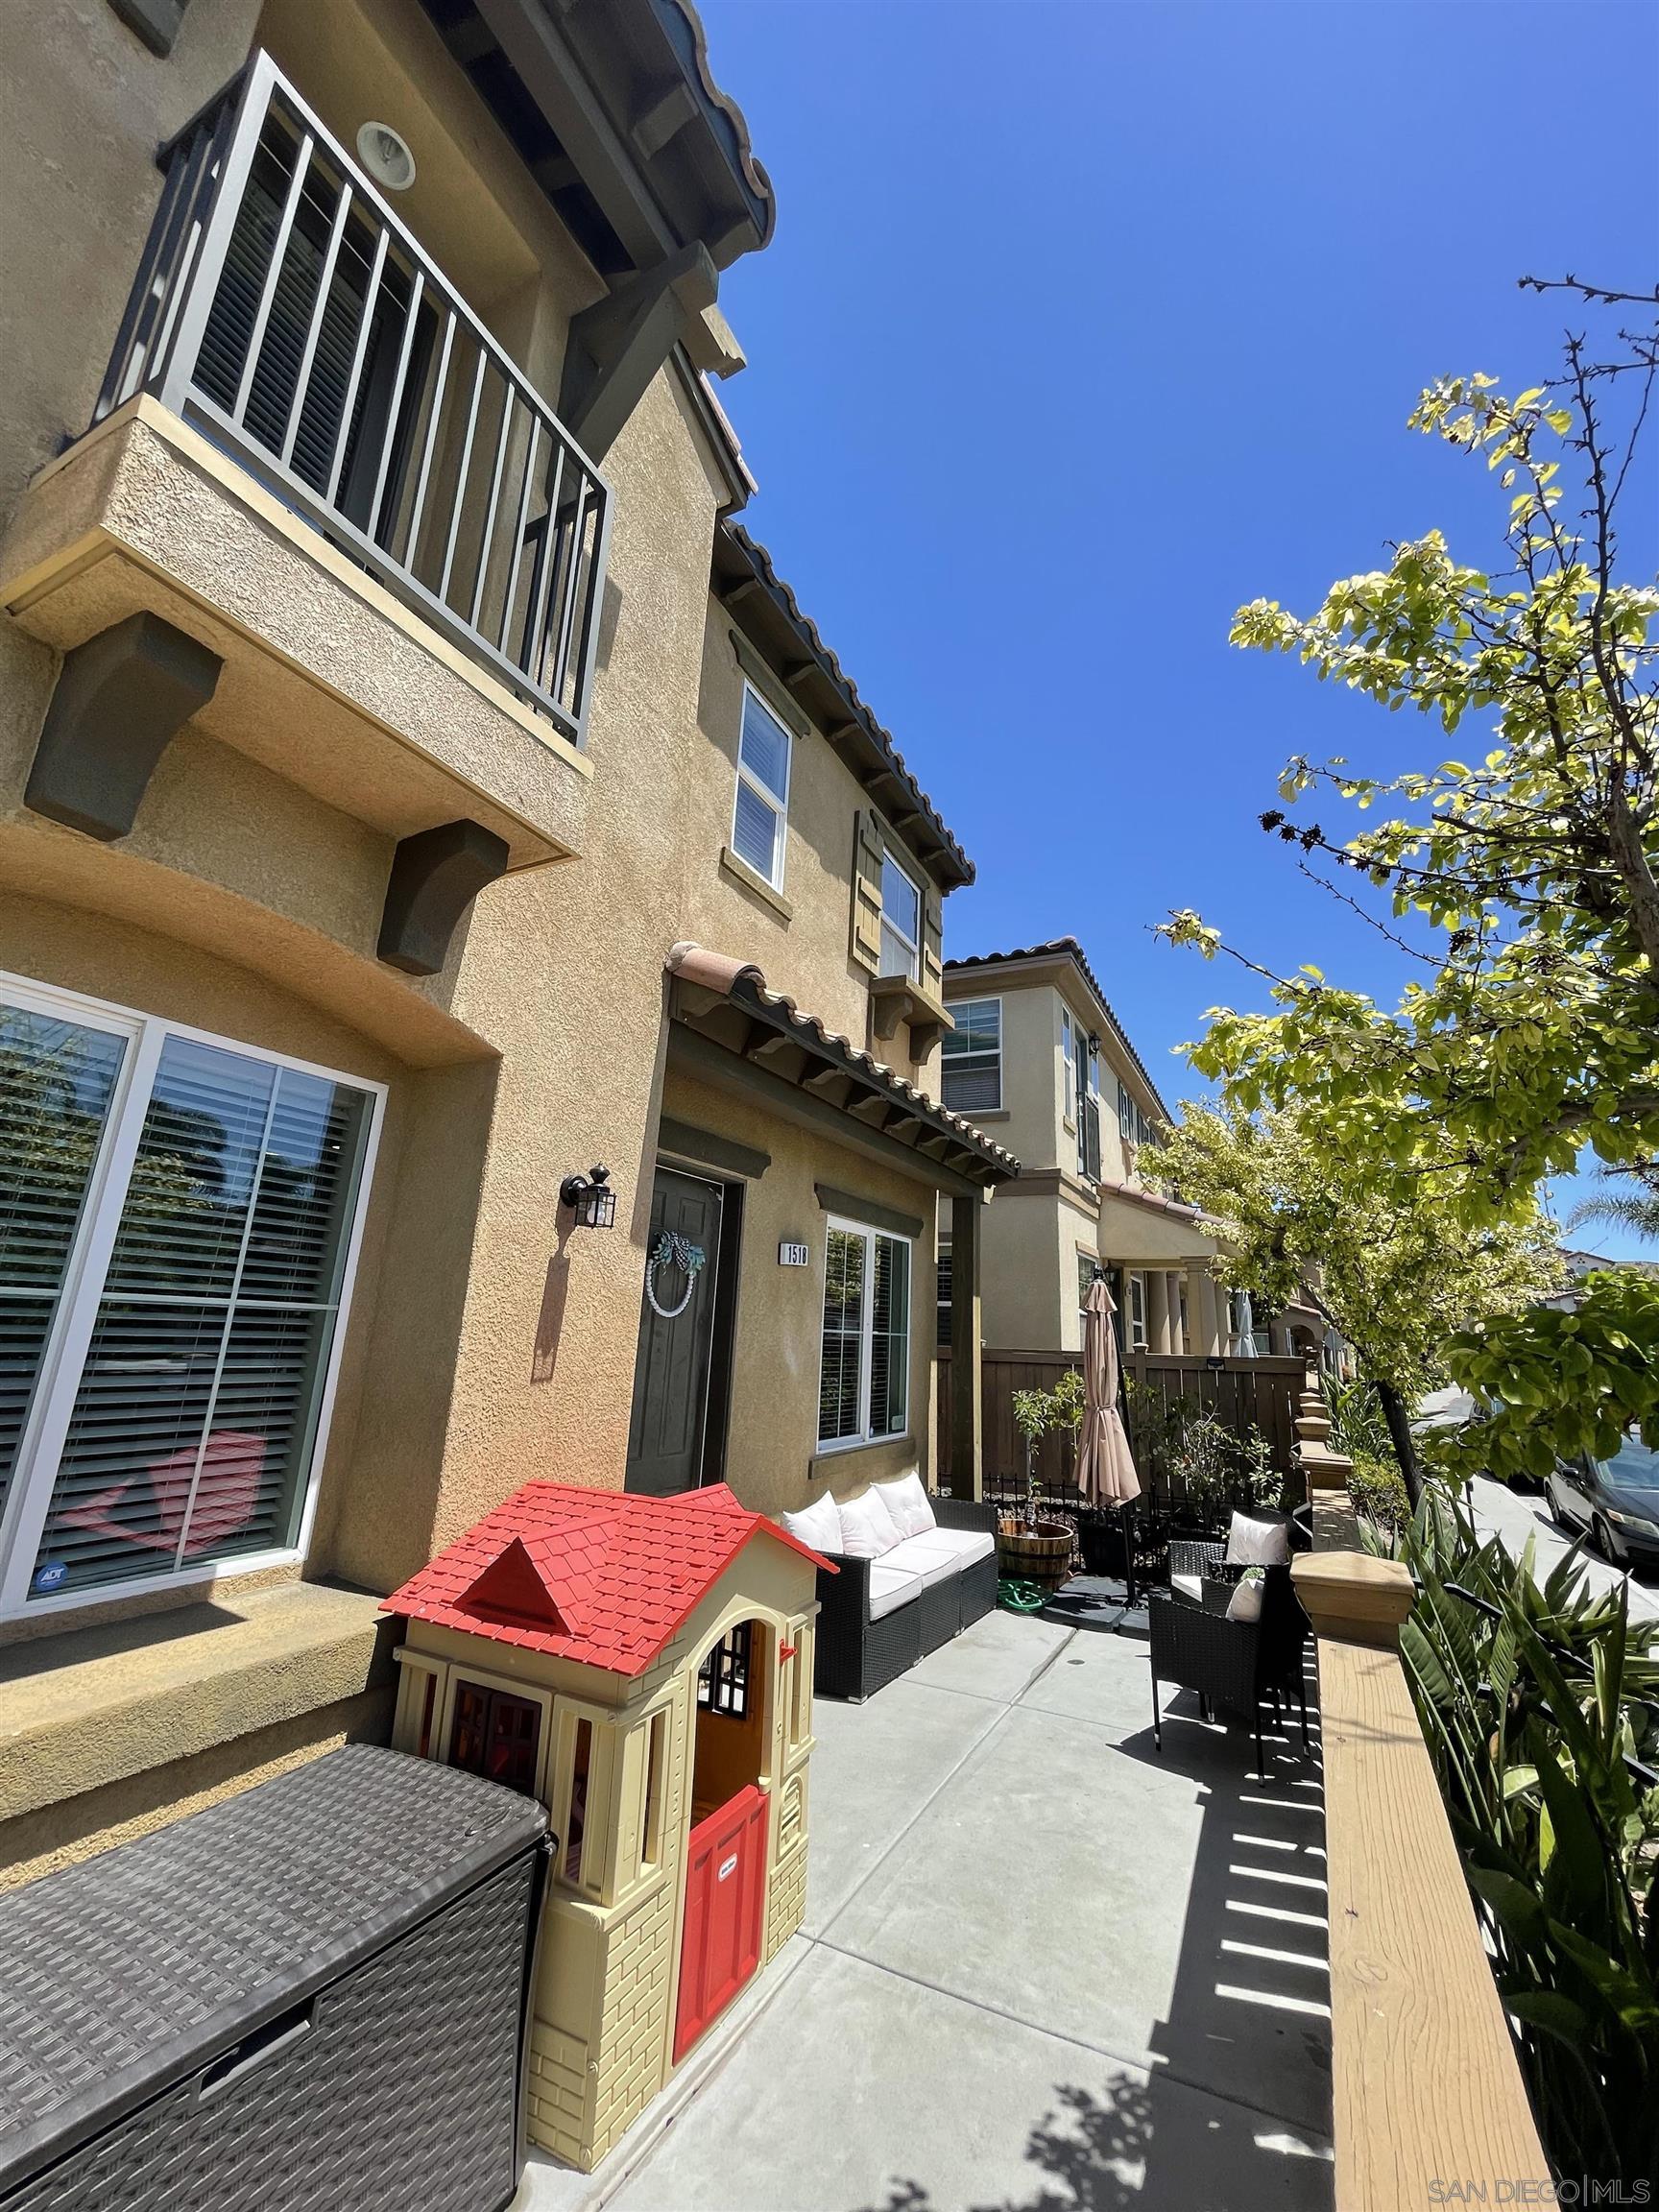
(767, 608)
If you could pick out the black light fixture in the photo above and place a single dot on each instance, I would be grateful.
(590, 1198)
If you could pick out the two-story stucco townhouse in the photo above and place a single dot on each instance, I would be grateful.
(415, 793)
(1038, 1056)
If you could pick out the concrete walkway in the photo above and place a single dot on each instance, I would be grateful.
(1043, 1969)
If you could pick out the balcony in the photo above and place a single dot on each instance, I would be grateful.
(310, 455)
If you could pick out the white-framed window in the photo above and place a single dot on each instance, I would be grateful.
(864, 1377)
(1138, 1337)
(1068, 1074)
(972, 1061)
(901, 921)
(760, 809)
(179, 1218)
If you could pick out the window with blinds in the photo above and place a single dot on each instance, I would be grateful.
(174, 1258)
(971, 1063)
(864, 1378)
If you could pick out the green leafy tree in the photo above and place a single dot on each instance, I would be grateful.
(1396, 1274)
(1521, 884)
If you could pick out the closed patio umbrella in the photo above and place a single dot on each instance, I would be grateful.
(1105, 1465)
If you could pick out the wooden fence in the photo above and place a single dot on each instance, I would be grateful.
(1244, 1393)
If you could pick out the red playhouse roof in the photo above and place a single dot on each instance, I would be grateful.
(599, 1575)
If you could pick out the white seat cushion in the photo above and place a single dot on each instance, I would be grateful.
(924, 1556)
(966, 1543)
(907, 1501)
(1189, 1586)
(890, 1587)
(818, 1525)
(866, 1528)
(1253, 1543)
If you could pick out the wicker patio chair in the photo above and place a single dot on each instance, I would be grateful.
(1205, 1652)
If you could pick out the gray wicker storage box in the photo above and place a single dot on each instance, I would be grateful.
(309, 1995)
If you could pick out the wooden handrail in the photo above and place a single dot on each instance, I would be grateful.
(1428, 2100)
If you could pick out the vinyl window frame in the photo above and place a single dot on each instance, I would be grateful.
(1137, 1333)
(1068, 1074)
(912, 970)
(870, 1236)
(959, 1008)
(777, 804)
(28, 1499)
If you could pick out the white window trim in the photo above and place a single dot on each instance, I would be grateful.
(1069, 1074)
(913, 970)
(866, 1332)
(1137, 1330)
(960, 1005)
(777, 806)
(30, 1500)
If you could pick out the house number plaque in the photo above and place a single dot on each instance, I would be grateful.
(794, 1254)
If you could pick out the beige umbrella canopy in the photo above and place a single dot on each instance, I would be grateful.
(1105, 1465)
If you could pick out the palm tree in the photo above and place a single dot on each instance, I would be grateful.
(1635, 1207)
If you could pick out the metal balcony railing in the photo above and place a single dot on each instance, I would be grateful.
(282, 307)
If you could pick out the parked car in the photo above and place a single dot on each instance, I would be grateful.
(1616, 1500)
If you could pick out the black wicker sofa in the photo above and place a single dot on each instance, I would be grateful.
(913, 1613)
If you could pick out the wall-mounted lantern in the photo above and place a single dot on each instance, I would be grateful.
(590, 1198)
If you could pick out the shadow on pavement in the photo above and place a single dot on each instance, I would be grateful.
(1234, 2113)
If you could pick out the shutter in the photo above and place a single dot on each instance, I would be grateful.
(1092, 1121)
(932, 941)
(868, 848)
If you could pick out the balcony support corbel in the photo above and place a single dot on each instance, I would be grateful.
(119, 700)
(619, 344)
(436, 874)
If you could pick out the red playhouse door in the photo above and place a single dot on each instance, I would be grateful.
(724, 1908)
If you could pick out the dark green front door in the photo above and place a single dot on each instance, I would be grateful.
(666, 1439)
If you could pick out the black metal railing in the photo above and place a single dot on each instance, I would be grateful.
(282, 307)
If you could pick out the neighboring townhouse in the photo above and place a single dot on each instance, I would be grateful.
(1038, 1056)
(418, 795)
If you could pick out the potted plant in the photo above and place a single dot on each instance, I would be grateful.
(1029, 1546)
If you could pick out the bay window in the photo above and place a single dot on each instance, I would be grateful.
(179, 1219)
(864, 1377)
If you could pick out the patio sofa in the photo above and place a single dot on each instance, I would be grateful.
(912, 1570)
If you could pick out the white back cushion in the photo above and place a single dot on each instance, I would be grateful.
(907, 1501)
(818, 1525)
(866, 1528)
(1252, 1542)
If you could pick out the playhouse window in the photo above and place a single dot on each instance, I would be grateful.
(723, 1678)
(495, 1734)
(655, 1771)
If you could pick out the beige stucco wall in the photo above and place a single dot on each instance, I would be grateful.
(488, 1341)
(773, 1461)
(803, 938)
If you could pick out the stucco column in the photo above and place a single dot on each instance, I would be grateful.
(1157, 1327)
(966, 1455)
(1203, 1313)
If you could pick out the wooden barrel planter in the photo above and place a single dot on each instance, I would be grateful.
(1042, 1555)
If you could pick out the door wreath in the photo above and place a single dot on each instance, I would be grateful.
(673, 1251)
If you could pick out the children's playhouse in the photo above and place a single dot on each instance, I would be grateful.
(644, 1667)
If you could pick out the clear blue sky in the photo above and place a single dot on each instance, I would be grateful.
(1085, 323)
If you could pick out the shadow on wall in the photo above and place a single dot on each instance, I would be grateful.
(1250, 2006)
(551, 1320)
